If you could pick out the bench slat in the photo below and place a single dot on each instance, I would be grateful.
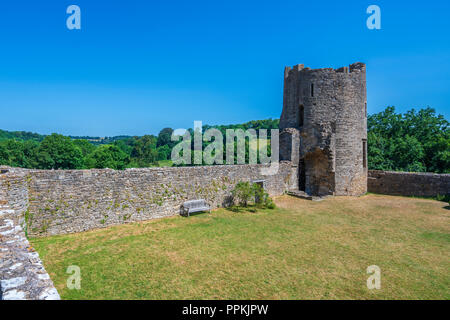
(195, 206)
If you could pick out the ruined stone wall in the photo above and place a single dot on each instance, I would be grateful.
(408, 183)
(65, 201)
(22, 274)
(332, 126)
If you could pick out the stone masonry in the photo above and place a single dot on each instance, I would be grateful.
(51, 202)
(22, 274)
(324, 129)
(409, 183)
(323, 151)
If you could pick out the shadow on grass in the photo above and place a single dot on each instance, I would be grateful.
(447, 207)
(238, 209)
(195, 214)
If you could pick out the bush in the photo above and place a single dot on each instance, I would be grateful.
(244, 193)
(444, 198)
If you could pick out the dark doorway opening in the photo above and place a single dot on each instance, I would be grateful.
(302, 175)
(301, 115)
(260, 183)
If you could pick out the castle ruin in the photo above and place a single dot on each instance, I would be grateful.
(324, 129)
(323, 151)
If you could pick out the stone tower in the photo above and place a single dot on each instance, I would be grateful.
(324, 129)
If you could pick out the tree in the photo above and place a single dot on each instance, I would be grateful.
(4, 155)
(144, 151)
(408, 154)
(380, 152)
(108, 156)
(30, 151)
(85, 146)
(414, 141)
(163, 152)
(126, 145)
(13, 150)
(59, 152)
(164, 138)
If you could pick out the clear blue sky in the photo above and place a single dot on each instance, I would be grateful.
(138, 66)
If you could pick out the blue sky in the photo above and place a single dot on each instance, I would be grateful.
(138, 66)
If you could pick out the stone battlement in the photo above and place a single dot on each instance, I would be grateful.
(356, 67)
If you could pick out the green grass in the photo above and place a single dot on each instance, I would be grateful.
(301, 250)
(164, 163)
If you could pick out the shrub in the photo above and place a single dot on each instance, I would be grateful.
(244, 192)
(444, 198)
(259, 194)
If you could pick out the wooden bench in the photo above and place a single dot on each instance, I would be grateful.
(194, 206)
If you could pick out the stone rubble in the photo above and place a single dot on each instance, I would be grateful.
(22, 274)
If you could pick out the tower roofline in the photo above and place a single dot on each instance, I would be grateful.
(354, 67)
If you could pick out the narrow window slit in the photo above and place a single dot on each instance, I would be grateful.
(364, 146)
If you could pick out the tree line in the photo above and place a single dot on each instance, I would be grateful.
(416, 141)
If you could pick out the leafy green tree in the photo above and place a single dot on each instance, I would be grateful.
(243, 193)
(438, 155)
(380, 152)
(14, 149)
(30, 151)
(164, 152)
(126, 145)
(85, 146)
(144, 151)
(414, 141)
(4, 155)
(108, 156)
(164, 138)
(59, 152)
(408, 154)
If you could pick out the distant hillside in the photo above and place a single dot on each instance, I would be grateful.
(21, 135)
(25, 136)
(100, 140)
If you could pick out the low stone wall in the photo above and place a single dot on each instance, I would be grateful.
(22, 275)
(408, 183)
(51, 202)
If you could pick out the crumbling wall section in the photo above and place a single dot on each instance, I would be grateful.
(22, 274)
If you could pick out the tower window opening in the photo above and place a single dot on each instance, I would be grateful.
(312, 89)
(301, 115)
(364, 146)
(365, 109)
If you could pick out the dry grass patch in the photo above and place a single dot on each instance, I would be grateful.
(301, 250)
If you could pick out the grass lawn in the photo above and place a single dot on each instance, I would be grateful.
(301, 250)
